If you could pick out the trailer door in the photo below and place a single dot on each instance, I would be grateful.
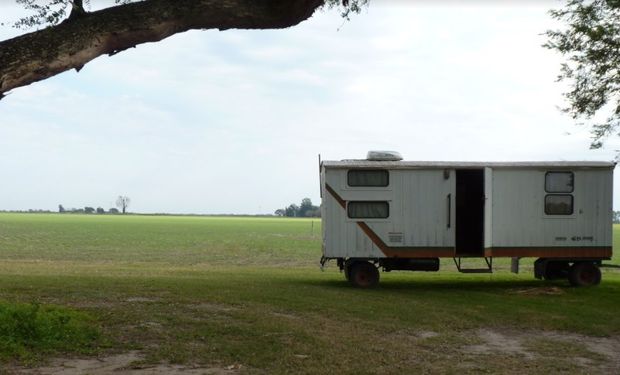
(469, 212)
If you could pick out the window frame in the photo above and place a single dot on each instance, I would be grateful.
(386, 171)
(387, 203)
(572, 204)
(560, 192)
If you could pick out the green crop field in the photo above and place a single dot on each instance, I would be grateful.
(246, 295)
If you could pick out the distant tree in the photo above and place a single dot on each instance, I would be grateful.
(315, 212)
(61, 209)
(616, 217)
(306, 205)
(112, 211)
(122, 202)
(292, 210)
(89, 210)
(307, 209)
(100, 210)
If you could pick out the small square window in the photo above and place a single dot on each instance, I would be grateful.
(559, 204)
(559, 182)
(368, 210)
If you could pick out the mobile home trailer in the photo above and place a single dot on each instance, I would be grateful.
(385, 213)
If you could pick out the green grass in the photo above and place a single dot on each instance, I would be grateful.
(30, 330)
(220, 291)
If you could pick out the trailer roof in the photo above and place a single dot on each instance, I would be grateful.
(362, 163)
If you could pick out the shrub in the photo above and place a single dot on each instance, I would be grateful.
(29, 330)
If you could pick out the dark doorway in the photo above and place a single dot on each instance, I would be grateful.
(470, 212)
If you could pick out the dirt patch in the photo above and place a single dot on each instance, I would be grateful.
(412, 336)
(427, 334)
(121, 364)
(494, 341)
(607, 349)
(213, 307)
(284, 315)
(141, 299)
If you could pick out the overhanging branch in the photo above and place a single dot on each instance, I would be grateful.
(70, 45)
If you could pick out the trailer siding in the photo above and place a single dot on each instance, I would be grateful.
(424, 217)
(519, 218)
(515, 223)
(351, 241)
(488, 207)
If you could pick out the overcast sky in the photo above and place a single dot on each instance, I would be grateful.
(232, 122)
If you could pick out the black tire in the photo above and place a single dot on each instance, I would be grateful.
(363, 275)
(584, 274)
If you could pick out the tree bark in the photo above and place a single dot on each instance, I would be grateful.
(79, 39)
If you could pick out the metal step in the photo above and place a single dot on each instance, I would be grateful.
(488, 269)
(475, 270)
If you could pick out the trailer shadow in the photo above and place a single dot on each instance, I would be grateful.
(438, 285)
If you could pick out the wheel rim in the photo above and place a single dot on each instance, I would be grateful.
(362, 278)
(588, 276)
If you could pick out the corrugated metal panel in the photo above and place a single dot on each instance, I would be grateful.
(343, 236)
(514, 210)
(519, 218)
(488, 207)
(424, 197)
(418, 213)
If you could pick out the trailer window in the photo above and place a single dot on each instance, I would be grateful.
(368, 210)
(559, 182)
(559, 204)
(368, 177)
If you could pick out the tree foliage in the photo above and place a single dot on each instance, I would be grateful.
(306, 209)
(590, 43)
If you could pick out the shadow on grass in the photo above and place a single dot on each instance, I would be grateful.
(417, 285)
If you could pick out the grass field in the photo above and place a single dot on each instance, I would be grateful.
(246, 295)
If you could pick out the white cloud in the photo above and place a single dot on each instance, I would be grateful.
(233, 121)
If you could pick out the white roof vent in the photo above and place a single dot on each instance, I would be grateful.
(383, 156)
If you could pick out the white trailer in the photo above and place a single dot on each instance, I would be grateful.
(386, 213)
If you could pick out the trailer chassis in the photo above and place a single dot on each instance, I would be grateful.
(364, 272)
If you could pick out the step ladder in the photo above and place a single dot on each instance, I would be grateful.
(487, 269)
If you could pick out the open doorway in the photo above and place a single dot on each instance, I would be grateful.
(469, 212)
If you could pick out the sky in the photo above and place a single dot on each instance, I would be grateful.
(232, 122)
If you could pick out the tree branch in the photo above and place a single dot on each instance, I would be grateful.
(70, 45)
(77, 9)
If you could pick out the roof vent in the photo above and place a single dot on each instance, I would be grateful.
(383, 156)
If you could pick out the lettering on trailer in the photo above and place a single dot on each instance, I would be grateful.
(576, 238)
(580, 238)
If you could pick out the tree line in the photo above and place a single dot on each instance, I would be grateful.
(305, 209)
(122, 202)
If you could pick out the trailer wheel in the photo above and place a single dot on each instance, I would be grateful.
(363, 275)
(584, 274)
